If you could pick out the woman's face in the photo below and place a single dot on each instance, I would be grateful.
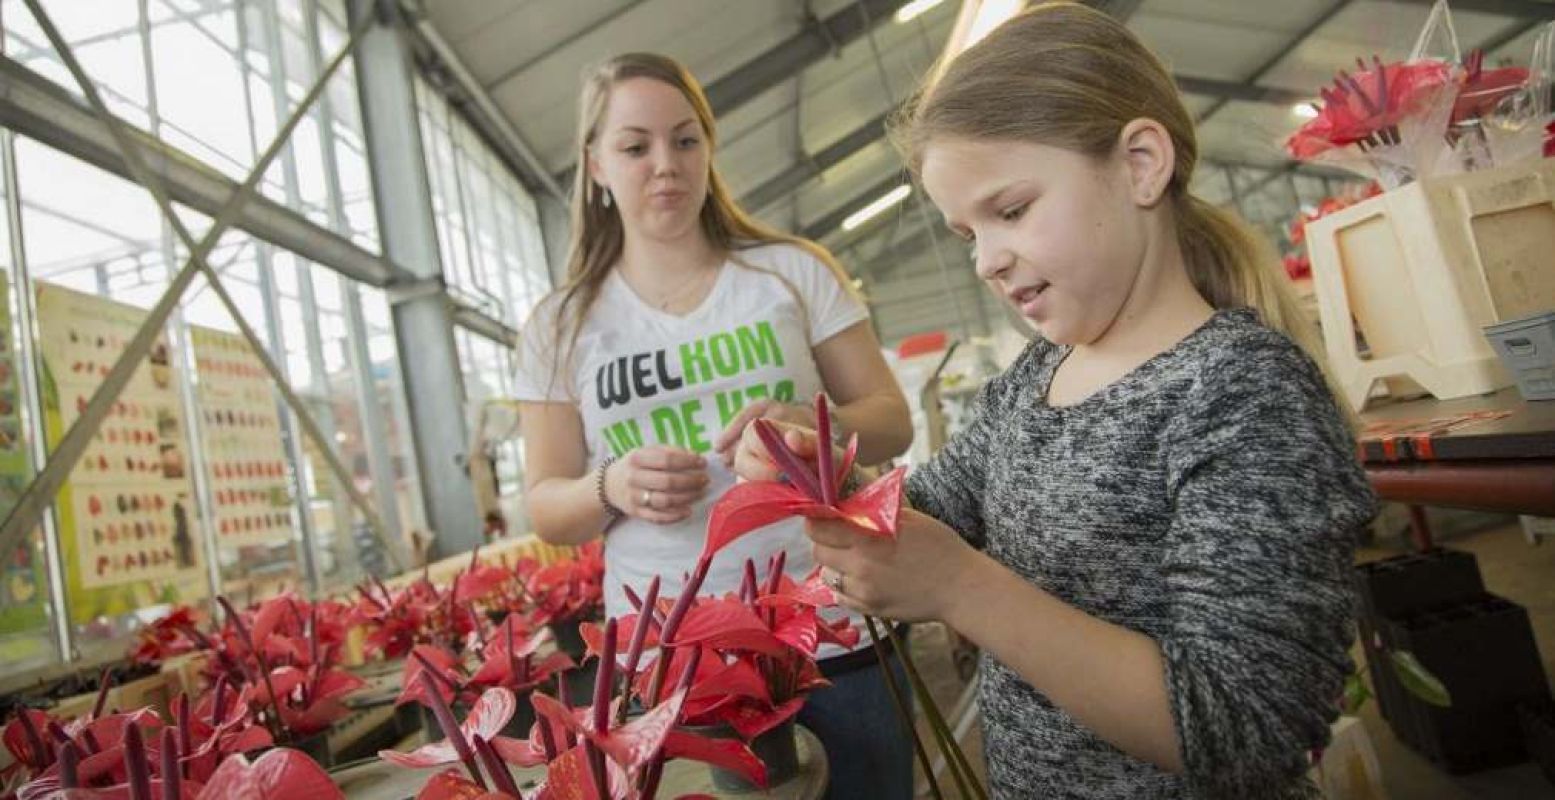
(1053, 231)
(652, 154)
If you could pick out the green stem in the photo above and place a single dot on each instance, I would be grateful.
(901, 708)
(948, 743)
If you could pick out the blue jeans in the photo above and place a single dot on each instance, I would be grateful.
(868, 752)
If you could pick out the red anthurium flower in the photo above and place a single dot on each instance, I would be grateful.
(450, 785)
(279, 774)
(727, 624)
(486, 719)
(626, 626)
(568, 778)
(445, 668)
(478, 580)
(1369, 102)
(811, 491)
(1484, 88)
(509, 661)
(164, 638)
(569, 590)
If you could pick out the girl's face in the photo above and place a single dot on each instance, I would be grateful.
(1055, 232)
(652, 154)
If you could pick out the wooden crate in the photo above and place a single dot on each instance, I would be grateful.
(1421, 270)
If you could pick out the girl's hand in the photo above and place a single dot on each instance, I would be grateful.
(915, 577)
(727, 442)
(657, 483)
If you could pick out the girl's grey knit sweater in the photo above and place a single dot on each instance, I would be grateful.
(1210, 500)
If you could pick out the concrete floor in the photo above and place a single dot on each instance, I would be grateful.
(1511, 568)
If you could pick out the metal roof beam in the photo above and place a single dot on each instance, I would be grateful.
(1274, 60)
(34, 106)
(819, 38)
(1531, 10)
(803, 170)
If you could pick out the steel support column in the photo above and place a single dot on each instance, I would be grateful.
(423, 321)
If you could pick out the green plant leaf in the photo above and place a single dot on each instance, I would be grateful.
(1418, 680)
(1355, 693)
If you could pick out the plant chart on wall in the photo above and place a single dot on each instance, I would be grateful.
(127, 512)
(241, 429)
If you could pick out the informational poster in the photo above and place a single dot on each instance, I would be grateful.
(130, 511)
(21, 570)
(241, 431)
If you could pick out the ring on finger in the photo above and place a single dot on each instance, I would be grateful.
(647, 498)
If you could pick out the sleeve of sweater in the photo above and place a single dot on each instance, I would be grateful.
(950, 486)
(1268, 497)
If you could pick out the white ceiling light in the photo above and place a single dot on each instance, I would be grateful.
(976, 19)
(876, 208)
(915, 8)
(990, 14)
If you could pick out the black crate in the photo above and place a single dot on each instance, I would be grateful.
(1483, 651)
(1413, 582)
(1539, 735)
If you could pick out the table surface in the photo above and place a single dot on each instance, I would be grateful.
(1495, 426)
(380, 780)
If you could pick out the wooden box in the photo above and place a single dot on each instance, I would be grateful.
(1421, 270)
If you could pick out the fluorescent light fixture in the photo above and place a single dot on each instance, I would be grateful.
(990, 14)
(976, 19)
(915, 8)
(877, 207)
(1304, 110)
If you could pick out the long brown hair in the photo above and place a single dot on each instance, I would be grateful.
(1066, 75)
(597, 234)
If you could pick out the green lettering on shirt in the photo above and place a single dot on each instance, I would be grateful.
(760, 347)
(623, 437)
(694, 364)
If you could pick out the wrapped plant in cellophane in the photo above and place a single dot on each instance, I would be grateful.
(1434, 113)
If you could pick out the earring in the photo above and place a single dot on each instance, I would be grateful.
(607, 199)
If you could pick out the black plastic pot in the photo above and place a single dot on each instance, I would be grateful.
(777, 748)
(1483, 652)
(569, 639)
(1414, 582)
(1400, 586)
(429, 726)
(316, 747)
(523, 718)
(1538, 721)
(407, 719)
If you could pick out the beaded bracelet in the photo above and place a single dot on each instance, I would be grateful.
(611, 510)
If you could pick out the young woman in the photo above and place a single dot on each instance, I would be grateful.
(1149, 526)
(681, 320)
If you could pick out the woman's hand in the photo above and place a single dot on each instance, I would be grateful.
(917, 576)
(751, 461)
(657, 483)
(726, 445)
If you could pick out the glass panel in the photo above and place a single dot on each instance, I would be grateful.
(26, 630)
(246, 464)
(344, 542)
(199, 86)
(128, 521)
(105, 38)
(389, 393)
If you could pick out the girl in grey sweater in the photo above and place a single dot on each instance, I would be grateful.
(1149, 525)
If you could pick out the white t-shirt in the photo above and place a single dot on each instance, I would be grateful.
(641, 377)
